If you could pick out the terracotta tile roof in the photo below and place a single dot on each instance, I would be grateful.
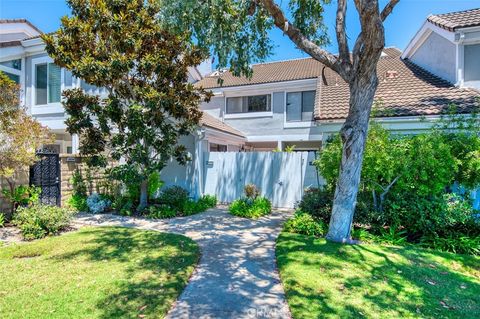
(212, 122)
(405, 89)
(456, 20)
(280, 71)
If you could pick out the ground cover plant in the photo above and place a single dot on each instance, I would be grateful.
(100, 272)
(252, 205)
(329, 280)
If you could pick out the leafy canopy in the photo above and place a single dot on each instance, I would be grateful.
(237, 30)
(120, 46)
(20, 134)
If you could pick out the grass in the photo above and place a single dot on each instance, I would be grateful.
(105, 272)
(327, 280)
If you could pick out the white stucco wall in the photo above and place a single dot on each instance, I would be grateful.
(437, 55)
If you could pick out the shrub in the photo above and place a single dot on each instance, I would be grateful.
(208, 201)
(23, 195)
(174, 196)
(251, 208)
(455, 243)
(38, 221)
(2, 220)
(317, 203)
(303, 223)
(97, 203)
(78, 203)
(161, 211)
(433, 215)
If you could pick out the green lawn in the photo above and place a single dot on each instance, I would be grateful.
(327, 280)
(95, 273)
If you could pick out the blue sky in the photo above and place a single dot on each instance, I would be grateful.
(400, 27)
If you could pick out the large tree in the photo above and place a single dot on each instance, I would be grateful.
(237, 32)
(120, 46)
(20, 134)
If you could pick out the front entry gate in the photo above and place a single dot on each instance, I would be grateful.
(45, 173)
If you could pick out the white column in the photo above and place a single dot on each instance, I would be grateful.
(75, 144)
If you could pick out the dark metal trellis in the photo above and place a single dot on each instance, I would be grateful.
(45, 173)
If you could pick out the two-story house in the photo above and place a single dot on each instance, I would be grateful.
(24, 59)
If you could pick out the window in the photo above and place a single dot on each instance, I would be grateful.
(472, 67)
(217, 147)
(12, 68)
(300, 106)
(249, 104)
(48, 83)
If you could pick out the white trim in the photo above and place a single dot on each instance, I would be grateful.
(422, 35)
(248, 114)
(286, 138)
(55, 107)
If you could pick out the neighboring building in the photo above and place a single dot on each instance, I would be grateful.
(301, 102)
(448, 45)
(24, 59)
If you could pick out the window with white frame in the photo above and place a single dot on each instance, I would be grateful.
(472, 65)
(249, 104)
(12, 68)
(48, 83)
(300, 106)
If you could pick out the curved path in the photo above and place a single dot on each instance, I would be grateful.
(236, 276)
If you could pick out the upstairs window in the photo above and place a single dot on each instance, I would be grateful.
(472, 65)
(300, 106)
(12, 68)
(249, 104)
(48, 83)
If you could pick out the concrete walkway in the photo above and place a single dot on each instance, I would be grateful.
(236, 276)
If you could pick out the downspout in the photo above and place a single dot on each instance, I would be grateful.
(199, 160)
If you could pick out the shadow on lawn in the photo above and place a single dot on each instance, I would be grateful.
(383, 282)
(155, 276)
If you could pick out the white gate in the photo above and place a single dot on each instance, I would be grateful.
(282, 177)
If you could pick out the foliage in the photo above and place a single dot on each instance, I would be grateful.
(250, 208)
(125, 273)
(454, 243)
(208, 201)
(174, 202)
(174, 196)
(154, 184)
(23, 195)
(317, 203)
(2, 220)
(161, 211)
(38, 221)
(144, 68)
(79, 186)
(393, 236)
(77, 203)
(303, 223)
(17, 144)
(97, 203)
(328, 280)
(238, 31)
(251, 191)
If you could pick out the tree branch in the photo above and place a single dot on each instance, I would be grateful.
(388, 9)
(303, 42)
(344, 52)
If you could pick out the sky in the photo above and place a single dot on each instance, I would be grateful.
(401, 26)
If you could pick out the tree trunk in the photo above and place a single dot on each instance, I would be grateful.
(143, 196)
(354, 135)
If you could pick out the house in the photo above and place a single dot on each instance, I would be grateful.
(287, 104)
(448, 45)
(24, 59)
